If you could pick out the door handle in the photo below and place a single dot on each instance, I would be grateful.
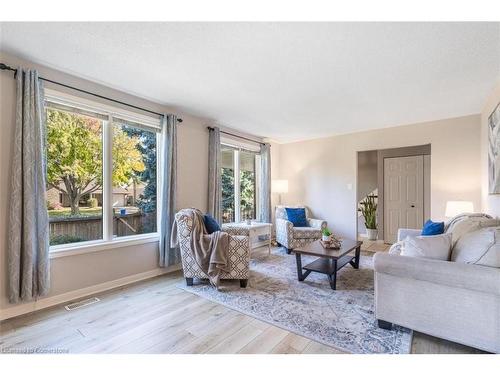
(412, 206)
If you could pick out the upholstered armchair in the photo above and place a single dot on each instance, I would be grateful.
(292, 237)
(239, 253)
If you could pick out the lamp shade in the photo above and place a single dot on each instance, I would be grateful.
(279, 186)
(454, 208)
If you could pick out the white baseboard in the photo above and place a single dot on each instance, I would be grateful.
(43, 303)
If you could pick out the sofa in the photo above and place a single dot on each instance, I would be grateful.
(292, 237)
(239, 253)
(457, 299)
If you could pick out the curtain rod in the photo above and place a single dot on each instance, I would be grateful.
(6, 67)
(237, 136)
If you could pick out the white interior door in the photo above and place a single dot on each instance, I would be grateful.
(403, 195)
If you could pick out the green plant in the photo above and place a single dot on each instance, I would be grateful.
(92, 202)
(369, 211)
(326, 232)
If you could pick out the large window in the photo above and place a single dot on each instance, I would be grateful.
(239, 175)
(101, 174)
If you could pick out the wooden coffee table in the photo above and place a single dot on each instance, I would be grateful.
(329, 261)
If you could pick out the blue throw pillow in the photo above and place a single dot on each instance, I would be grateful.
(432, 229)
(297, 216)
(211, 224)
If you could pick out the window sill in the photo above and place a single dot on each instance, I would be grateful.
(95, 246)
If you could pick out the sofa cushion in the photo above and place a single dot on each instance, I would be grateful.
(306, 232)
(432, 247)
(297, 216)
(395, 248)
(432, 228)
(481, 247)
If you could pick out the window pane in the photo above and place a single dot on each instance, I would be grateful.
(227, 159)
(247, 185)
(134, 181)
(74, 177)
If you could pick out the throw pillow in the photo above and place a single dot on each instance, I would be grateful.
(432, 247)
(480, 247)
(432, 228)
(395, 248)
(211, 224)
(297, 216)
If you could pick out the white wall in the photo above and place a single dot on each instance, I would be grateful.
(491, 203)
(367, 180)
(71, 275)
(367, 173)
(321, 171)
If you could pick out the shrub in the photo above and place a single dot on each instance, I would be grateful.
(64, 238)
(53, 205)
(92, 202)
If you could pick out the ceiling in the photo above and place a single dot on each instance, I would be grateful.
(285, 81)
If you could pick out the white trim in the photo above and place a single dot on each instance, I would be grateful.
(107, 180)
(258, 192)
(105, 109)
(159, 178)
(100, 245)
(239, 143)
(236, 169)
(43, 303)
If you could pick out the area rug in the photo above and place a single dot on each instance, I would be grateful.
(342, 318)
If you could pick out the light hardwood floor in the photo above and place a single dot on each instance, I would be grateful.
(155, 316)
(373, 246)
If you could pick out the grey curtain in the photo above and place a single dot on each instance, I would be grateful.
(168, 255)
(214, 175)
(265, 183)
(28, 236)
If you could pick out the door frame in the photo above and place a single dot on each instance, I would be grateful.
(424, 150)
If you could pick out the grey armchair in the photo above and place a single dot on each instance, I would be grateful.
(239, 253)
(292, 237)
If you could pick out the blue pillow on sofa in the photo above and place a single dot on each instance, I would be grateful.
(432, 228)
(211, 224)
(297, 216)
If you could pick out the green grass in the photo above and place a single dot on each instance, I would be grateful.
(84, 212)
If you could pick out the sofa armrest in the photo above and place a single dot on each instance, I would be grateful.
(405, 232)
(236, 242)
(459, 275)
(283, 224)
(317, 223)
(284, 232)
(235, 230)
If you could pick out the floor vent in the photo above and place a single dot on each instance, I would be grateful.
(84, 302)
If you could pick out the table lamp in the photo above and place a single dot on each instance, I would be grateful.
(454, 208)
(279, 187)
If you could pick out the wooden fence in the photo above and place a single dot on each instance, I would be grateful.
(90, 228)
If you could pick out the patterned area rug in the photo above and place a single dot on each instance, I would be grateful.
(343, 319)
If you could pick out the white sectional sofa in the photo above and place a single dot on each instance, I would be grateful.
(458, 299)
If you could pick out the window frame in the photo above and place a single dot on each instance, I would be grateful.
(237, 147)
(148, 123)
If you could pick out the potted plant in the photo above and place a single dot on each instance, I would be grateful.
(325, 234)
(369, 211)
